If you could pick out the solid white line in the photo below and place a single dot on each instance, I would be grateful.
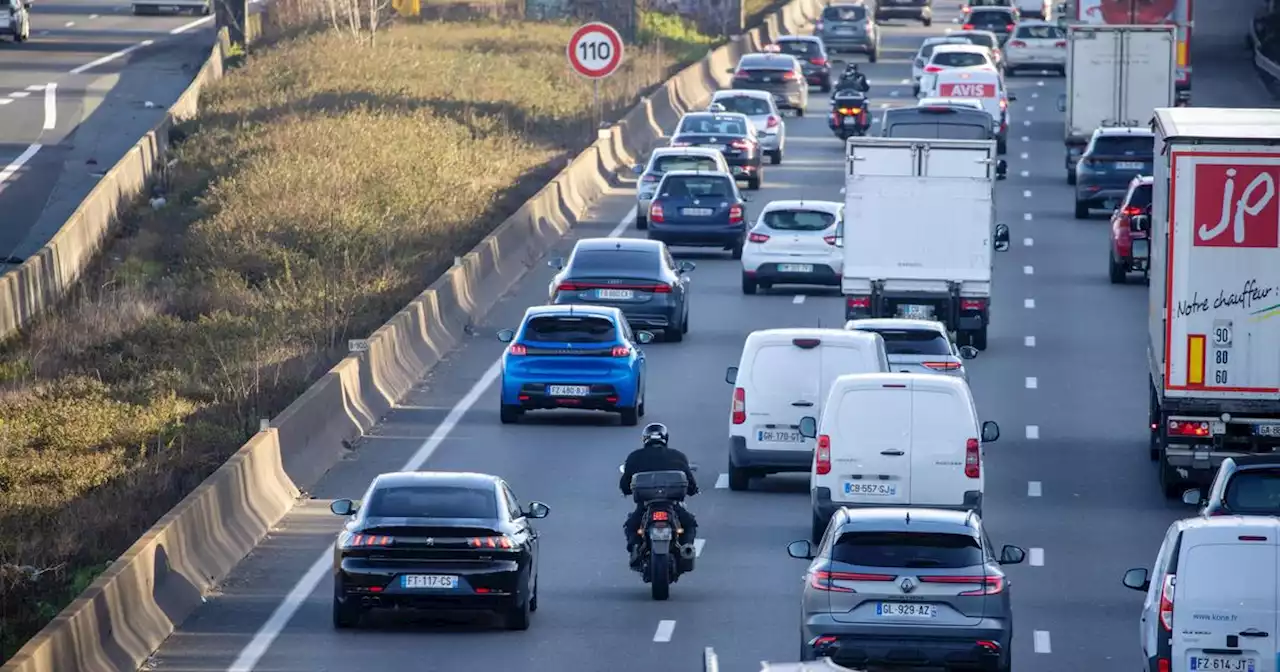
(1028, 242)
(1026, 193)
(51, 107)
(1033, 488)
(1032, 383)
(1028, 270)
(1026, 216)
(17, 163)
(111, 57)
(267, 634)
(1028, 303)
(189, 26)
(664, 631)
(1029, 341)
(1033, 431)
(1042, 641)
(798, 300)
(1037, 557)
(19, 94)
(722, 481)
(697, 547)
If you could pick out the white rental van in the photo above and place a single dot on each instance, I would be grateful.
(897, 439)
(1212, 596)
(782, 376)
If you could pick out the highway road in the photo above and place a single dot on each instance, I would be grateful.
(1069, 480)
(74, 99)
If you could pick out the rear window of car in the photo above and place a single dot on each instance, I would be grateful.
(851, 13)
(432, 501)
(980, 40)
(1123, 145)
(745, 105)
(666, 164)
(1041, 33)
(990, 3)
(959, 59)
(800, 48)
(1141, 196)
(1254, 491)
(709, 125)
(696, 187)
(913, 341)
(570, 329)
(798, 220)
(927, 50)
(991, 17)
(614, 263)
(912, 550)
(939, 131)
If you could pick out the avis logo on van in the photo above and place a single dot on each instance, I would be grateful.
(967, 90)
(1236, 205)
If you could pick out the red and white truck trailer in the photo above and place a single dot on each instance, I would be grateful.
(1214, 298)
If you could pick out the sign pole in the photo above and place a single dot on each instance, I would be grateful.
(595, 52)
(599, 114)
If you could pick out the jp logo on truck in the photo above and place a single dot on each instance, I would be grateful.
(1235, 206)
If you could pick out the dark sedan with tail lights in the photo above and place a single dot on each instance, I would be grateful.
(697, 209)
(732, 134)
(437, 541)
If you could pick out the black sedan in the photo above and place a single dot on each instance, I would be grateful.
(437, 541)
(813, 58)
(634, 275)
(732, 134)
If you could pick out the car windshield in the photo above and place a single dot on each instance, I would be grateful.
(847, 13)
(1123, 145)
(614, 264)
(709, 125)
(570, 329)
(432, 501)
(803, 48)
(747, 105)
(913, 341)
(939, 131)
(666, 164)
(798, 220)
(1041, 33)
(911, 550)
(1254, 491)
(958, 59)
(988, 41)
(991, 20)
(696, 187)
(1141, 196)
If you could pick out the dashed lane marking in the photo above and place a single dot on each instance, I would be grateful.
(798, 300)
(1042, 641)
(1029, 341)
(1033, 488)
(1031, 108)
(1028, 303)
(1028, 242)
(1025, 173)
(1037, 557)
(1032, 383)
(20, 94)
(722, 481)
(1035, 95)
(1026, 122)
(1026, 216)
(666, 629)
(1033, 431)
(1023, 156)
(1028, 270)
(1026, 193)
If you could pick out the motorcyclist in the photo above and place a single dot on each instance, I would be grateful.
(656, 455)
(851, 80)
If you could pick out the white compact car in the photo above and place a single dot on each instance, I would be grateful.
(1036, 45)
(761, 109)
(782, 376)
(896, 439)
(923, 55)
(1211, 597)
(918, 346)
(949, 56)
(794, 243)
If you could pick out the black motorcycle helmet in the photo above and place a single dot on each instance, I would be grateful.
(655, 432)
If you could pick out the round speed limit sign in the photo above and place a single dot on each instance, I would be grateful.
(595, 50)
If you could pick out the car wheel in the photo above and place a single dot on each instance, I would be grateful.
(674, 335)
(1071, 177)
(642, 222)
(533, 601)
(345, 616)
(826, 88)
(739, 478)
(1010, 71)
(818, 528)
(509, 414)
(1082, 210)
(1002, 146)
(736, 251)
(927, 21)
(630, 416)
(748, 285)
(1116, 270)
(684, 324)
(518, 616)
(775, 157)
(753, 182)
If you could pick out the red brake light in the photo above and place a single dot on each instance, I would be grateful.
(806, 343)
(1060, 44)
(1132, 211)
(490, 542)
(518, 350)
(660, 289)
(741, 74)
(368, 540)
(863, 302)
(823, 455)
(757, 238)
(1162, 665)
(972, 458)
(1009, 27)
(1166, 602)
(973, 304)
(773, 121)
(735, 214)
(790, 76)
(1186, 428)
(660, 515)
(739, 406)
(824, 580)
(651, 178)
(942, 366)
(818, 61)
(967, 26)
(1017, 43)
(740, 144)
(933, 68)
(621, 351)
(655, 213)
(830, 240)
(991, 585)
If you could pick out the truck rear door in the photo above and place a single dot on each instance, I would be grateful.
(1093, 64)
(1148, 76)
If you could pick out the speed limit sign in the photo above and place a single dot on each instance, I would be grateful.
(595, 50)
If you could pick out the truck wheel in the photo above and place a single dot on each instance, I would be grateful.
(1153, 418)
(1117, 270)
(1169, 482)
(978, 338)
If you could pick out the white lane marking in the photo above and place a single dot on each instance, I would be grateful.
(1023, 155)
(323, 565)
(664, 631)
(1042, 641)
(1040, 83)
(1032, 383)
(1029, 341)
(904, 81)
(37, 87)
(184, 28)
(1026, 216)
(69, 24)
(19, 94)
(1026, 193)
(111, 57)
(722, 481)
(51, 107)
(893, 94)
(1026, 122)
(1033, 488)
(798, 300)
(884, 106)
(1025, 173)
(1028, 242)
(1026, 138)
(1037, 557)
(5, 101)
(697, 547)
(1028, 303)
(93, 16)
(1028, 270)
(17, 163)
(1031, 108)
(842, 190)
(1034, 94)
(1033, 431)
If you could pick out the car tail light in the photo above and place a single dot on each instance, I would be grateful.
(659, 288)
(502, 541)
(933, 68)
(850, 111)
(1008, 28)
(967, 26)
(830, 240)
(740, 144)
(858, 302)
(652, 178)
(757, 238)
(1004, 104)
(941, 366)
(660, 515)
(655, 213)
(972, 458)
(991, 585)
(973, 304)
(1061, 44)
(518, 350)
(1162, 665)
(818, 61)
(1188, 428)
(790, 76)
(965, 9)
(739, 406)
(1166, 602)
(823, 455)
(773, 121)
(621, 351)
(1132, 211)
(1017, 43)
(369, 541)
(821, 579)
(742, 74)
(735, 214)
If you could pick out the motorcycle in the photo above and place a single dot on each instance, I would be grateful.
(849, 114)
(662, 560)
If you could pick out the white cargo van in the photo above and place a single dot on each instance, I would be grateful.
(782, 376)
(1212, 596)
(897, 439)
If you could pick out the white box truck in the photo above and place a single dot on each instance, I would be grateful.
(1214, 297)
(920, 230)
(1116, 76)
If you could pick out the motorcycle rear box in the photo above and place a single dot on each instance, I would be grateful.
(648, 486)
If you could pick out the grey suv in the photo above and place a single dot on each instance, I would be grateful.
(849, 27)
(913, 587)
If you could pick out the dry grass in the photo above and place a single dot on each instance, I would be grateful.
(325, 184)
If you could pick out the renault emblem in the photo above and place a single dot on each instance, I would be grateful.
(907, 585)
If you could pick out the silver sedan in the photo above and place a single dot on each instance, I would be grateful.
(918, 346)
(763, 112)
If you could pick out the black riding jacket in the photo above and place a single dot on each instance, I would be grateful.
(656, 458)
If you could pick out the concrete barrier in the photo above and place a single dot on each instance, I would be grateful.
(132, 607)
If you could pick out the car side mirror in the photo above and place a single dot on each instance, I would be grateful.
(800, 550)
(990, 432)
(1001, 238)
(506, 335)
(731, 375)
(1062, 102)
(968, 352)
(1002, 169)
(730, 70)
(809, 427)
(343, 507)
(536, 510)
(622, 468)
(1137, 579)
(637, 169)
(1012, 555)
(643, 337)
(686, 266)
(557, 263)
(1192, 497)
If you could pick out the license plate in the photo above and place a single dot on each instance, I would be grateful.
(1110, 204)
(660, 533)
(850, 121)
(696, 212)
(795, 268)
(917, 312)
(1267, 430)
(1129, 165)
(568, 390)
(873, 489)
(768, 79)
(1231, 663)
(844, 31)
(739, 170)
(429, 581)
(779, 436)
(906, 610)
(711, 147)
(615, 294)
(1141, 249)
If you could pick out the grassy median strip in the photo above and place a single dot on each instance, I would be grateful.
(324, 185)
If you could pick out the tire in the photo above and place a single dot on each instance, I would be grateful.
(1169, 483)
(736, 252)
(817, 529)
(1010, 71)
(345, 617)
(874, 56)
(926, 22)
(978, 338)
(509, 414)
(753, 183)
(533, 601)
(748, 285)
(1082, 210)
(518, 617)
(825, 88)
(630, 416)
(660, 576)
(1002, 146)
(1116, 271)
(1071, 177)
(739, 479)
(799, 111)
(642, 223)
(1153, 418)
(775, 157)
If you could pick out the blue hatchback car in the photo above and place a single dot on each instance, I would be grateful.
(699, 209)
(1113, 157)
(573, 356)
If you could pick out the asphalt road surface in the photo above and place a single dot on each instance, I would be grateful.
(1069, 480)
(74, 99)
